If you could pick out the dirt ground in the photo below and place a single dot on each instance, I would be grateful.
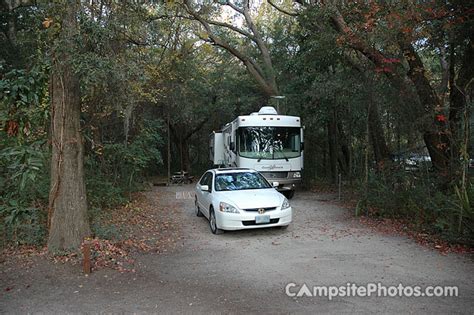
(247, 271)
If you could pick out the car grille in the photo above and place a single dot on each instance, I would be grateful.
(247, 223)
(256, 209)
(272, 175)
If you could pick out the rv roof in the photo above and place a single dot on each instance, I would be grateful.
(267, 110)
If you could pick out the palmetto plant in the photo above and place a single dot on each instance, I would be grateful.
(464, 207)
(25, 163)
(23, 186)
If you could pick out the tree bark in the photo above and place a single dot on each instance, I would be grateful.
(11, 22)
(377, 137)
(332, 143)
(376, 133)
(458, 90)
(435, 135)
(345, 155)
(182, 141)
(67, 199)
(185, 161)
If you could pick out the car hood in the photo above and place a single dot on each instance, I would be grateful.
(255, 198)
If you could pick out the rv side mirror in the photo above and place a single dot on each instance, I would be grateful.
(275, 184)
(204, 187)
(232, 146)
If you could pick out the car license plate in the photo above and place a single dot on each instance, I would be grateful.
(260, 219)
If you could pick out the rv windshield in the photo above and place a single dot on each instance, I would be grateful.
(269, 143)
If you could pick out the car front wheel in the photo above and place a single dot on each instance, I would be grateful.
(213, 223)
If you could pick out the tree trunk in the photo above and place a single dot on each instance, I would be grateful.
(11, 23)
(325, 156)
(345, 156)
(332, 141)
(181, 164)
(185, 161)
(435, 132)
(67, 199)
(458, 102)
(183, 140)
(377, 137)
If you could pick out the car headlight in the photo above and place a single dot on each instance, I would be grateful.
(285, 204)
(225, 207)
(296, 175)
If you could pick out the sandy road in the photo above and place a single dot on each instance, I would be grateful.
(247, 271)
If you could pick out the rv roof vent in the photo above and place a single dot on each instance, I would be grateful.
(267, 110)
(254, 114)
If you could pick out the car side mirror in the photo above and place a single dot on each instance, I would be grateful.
(204, 188)
(275, 184)
(302, 146)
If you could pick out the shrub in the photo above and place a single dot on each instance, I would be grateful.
(24, 187)
(118, 169)
(417, 198)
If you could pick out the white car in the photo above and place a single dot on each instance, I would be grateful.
(238, 198)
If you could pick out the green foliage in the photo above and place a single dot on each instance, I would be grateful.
(112, 78)
(116, 169)
(24, 184)
(24, 178)
(23, 103)
(22, 167)
(136, 67)
(22, 224)
(101, 192)
(107, 232)
(417, 198)
(463, 203)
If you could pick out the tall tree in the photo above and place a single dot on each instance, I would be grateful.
(389, 36)
(260, 66)
(67, 199)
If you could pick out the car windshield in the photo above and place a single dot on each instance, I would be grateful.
(240, 181)
(269, 143)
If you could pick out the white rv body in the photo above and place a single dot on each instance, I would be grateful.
(216, 148)
(265, 141)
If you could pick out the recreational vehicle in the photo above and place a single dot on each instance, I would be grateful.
(265, 141)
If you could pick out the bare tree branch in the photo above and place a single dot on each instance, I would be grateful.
(231, 27)
(234, 7)
(281, 9)
(196, 129)
(261, 45)
(265, 79)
